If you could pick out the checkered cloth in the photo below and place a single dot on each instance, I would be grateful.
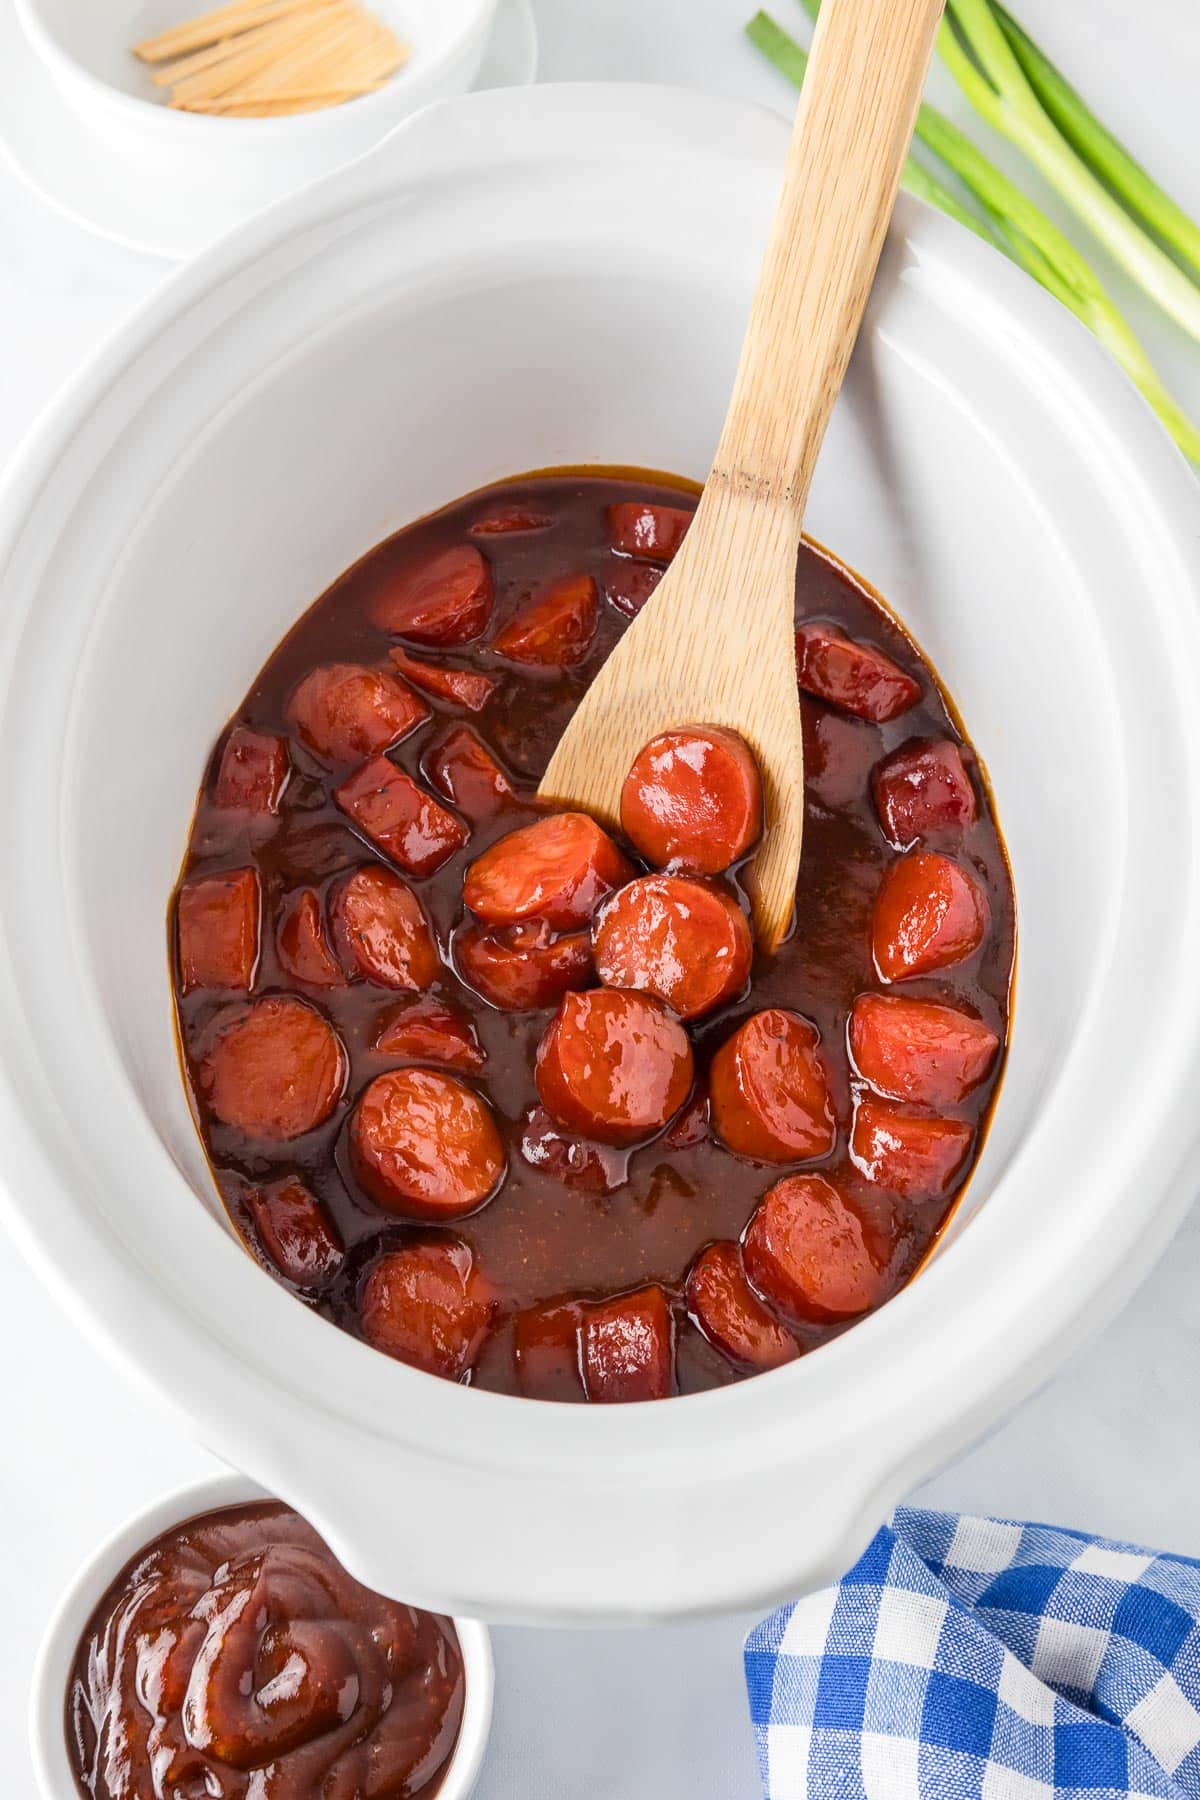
(976, 1659)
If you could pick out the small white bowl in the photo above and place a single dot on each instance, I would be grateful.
(52, 1670)
(237, 166)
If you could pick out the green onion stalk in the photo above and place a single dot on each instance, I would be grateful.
(978, 36)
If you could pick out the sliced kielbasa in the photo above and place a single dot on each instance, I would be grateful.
(424, 1145)
(465, 687)
(613, 1065)
(637, 528)
(294, 1232)
(730, 1314)
(344, 711)
(629, 1347)
(554, 629)
(522, 968)
(558, 869)
(274, 1069)
(917, 1050)
(687, 942)
(219, 930)
(408, 824)
(578, 1162)
(628, 586)
(446, 599)
(253, 771)
(929, 913)
(691, 1127)
(462, 769)
(546, 1351)
(910, 1154)
(428, 1305)
(430, 1030)
(854, 676)
(769, 1090)
(381, 930)
(502, 521)
(692, 801)
(921, 789)
(838, 754)
(806, 1252)
(301, 943)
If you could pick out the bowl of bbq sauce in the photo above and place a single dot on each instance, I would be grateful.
(215, 1649)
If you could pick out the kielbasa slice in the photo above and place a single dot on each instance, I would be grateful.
(253, 771)
(462, 769)
(691, 1127)
(910, 1154)
(381, 930)
(629, 1347)
(546, 1351)
(301, 943)
(769, 1090)
(275, 1069)
(922, 789)
(430, 1030)
(558, 869)
(575, 1161)
(929, 913)
(428, 1305)
(730, 1314)
(504, 520)
(294, 1232)
(917, 1050)
(465, 687)
(344, 711)
(408, 824)
(636, 528)
(522, 968)
(555, 628)
(806, 1252)
(628, 586)
(424, 1145)
(686, 942)
(854, 676)
(447, 599)
(219, 930)
(613, 1065)
(692, 802)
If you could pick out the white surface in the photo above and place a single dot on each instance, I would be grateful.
(972, 397)
(1109, 1446)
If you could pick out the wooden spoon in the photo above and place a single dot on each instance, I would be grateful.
(715, 644)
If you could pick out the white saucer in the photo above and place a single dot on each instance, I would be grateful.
(136, 201)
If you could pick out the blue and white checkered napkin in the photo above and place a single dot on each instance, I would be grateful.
(975, 1659)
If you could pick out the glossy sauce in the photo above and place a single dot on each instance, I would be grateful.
(578, 1221)
(235, 1659)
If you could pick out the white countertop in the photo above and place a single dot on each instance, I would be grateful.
(1111, 1445)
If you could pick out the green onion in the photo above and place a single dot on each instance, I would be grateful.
(1110, 160)
(1013, 222)
(977, 52)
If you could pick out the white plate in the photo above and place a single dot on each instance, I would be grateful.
(143, 201)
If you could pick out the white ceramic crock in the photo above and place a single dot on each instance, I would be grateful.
(52, 1670)
(562, 276)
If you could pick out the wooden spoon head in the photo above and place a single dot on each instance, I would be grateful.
(714, 646)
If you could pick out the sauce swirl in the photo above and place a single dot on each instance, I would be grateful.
(235, 1659)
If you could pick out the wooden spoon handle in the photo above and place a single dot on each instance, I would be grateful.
(856, 115)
